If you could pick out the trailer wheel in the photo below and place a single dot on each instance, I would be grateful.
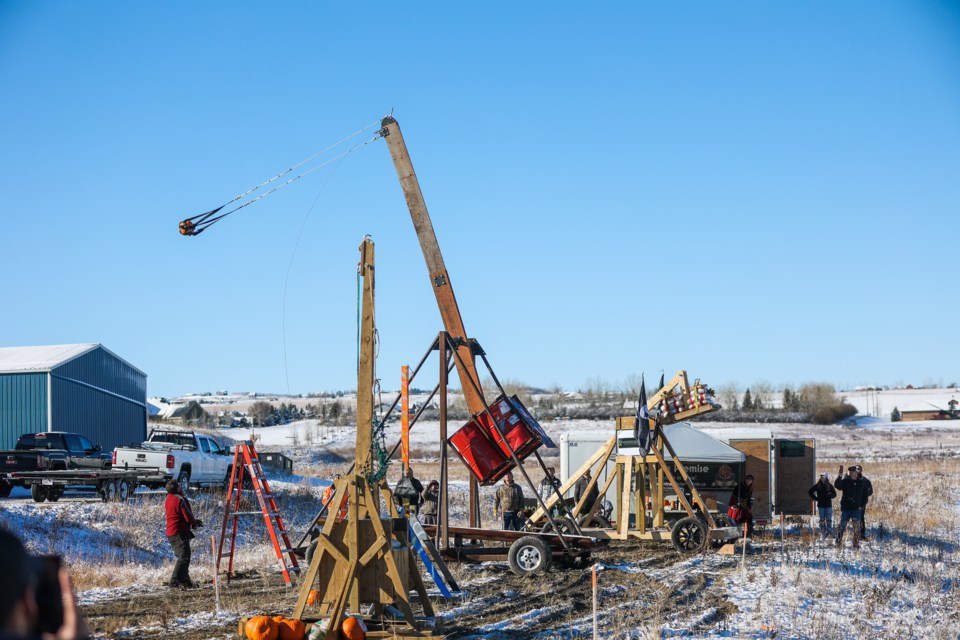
(528, 555)
(123, 490)
(108, 491)
(53, 494)
(39, 492)
(565, 525)
(597, 521)
(689, 534)
(5, 489)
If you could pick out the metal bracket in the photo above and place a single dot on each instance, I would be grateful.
(439, 281)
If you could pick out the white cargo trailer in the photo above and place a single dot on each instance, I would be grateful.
(716, 460)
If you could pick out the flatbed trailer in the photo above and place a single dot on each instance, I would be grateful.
(111, 485)
(525, 551)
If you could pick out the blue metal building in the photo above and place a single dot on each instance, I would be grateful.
(84, 388)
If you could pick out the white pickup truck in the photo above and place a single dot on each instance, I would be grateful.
(191, 458)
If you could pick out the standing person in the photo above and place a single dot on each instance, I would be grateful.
(22, 616)
(508, 500)
(743, 498)
(180, 526)
(853, 488)
(546, 489)
(409, 491)
(868, 491)
(431, 499)
(548, 484)
(581, 487)
(824, 493)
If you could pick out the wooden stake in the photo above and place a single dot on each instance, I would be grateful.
(594, 602)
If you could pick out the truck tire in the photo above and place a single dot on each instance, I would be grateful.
(54, 493)
(5, 489)
(123, 490)
(39, 492)
(529, 555)
(184, 481)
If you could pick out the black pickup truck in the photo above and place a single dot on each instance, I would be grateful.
(50, 451)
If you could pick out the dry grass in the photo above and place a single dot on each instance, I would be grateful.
(913, 497)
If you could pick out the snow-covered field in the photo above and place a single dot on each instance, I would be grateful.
(901, 584)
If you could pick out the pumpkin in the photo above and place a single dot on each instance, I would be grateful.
(261, 628)
(290, 628)
(353, 629)
(312, 597)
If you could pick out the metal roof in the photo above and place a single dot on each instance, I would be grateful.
(16, 359)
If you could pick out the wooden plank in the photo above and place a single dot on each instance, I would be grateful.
(601, 454)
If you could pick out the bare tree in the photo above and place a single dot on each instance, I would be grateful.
(631, 385)
(596, 388)
(815, 395)
(729, 395)
(260, 411)
(763, 394)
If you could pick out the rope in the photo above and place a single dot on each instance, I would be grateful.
(206, 221)
(197, 224)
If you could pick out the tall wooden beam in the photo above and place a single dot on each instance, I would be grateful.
(440, 279)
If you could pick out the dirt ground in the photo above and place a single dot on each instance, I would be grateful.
(641, 585)
(667, 584)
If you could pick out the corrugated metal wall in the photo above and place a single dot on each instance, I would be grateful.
(101, 397)
(23, 406)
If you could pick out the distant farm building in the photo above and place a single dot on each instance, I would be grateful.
(913, 414)
(185, 414)
(84, 388)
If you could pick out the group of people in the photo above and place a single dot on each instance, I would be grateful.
(856, 490)
(508, 501)
(410, 494)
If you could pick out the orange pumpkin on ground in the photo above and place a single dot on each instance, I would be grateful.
(353, 629)
(261, 628)
(290, 628)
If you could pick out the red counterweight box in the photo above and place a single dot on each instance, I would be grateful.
(520, 430)
(483, 458)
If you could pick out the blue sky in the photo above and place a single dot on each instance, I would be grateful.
(750, 191)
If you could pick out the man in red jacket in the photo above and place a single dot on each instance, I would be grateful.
(180, 524)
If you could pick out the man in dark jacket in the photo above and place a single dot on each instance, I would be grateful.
(409, 492)
(824, 493)
(866, 499)
(180, 526)
(854, 489)
(581, 487)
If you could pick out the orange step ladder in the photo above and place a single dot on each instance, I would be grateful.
(246, 467)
